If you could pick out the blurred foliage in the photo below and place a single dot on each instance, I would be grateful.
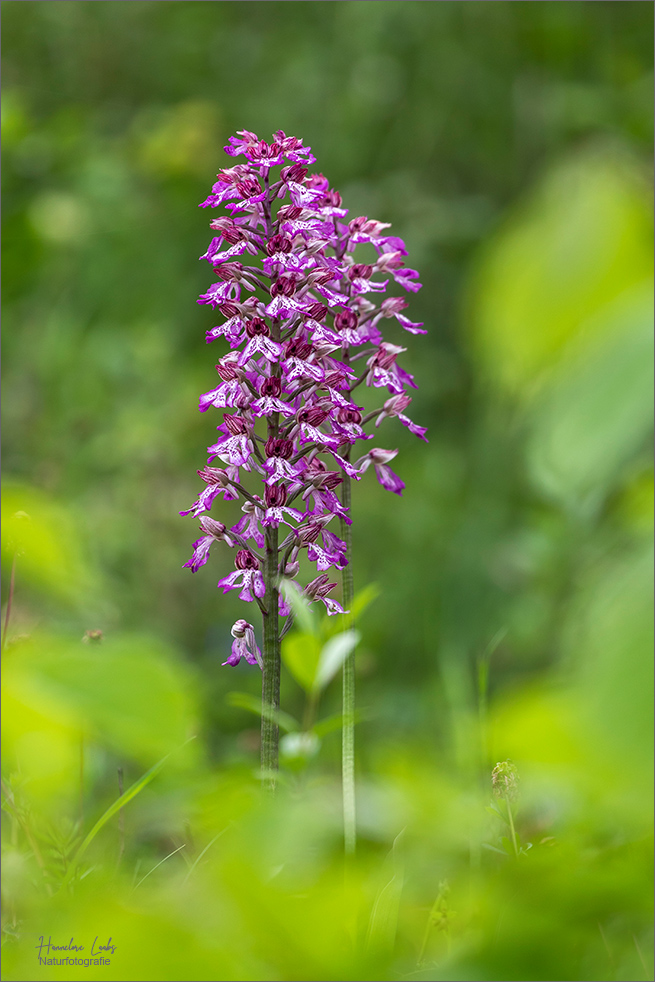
(508, 144)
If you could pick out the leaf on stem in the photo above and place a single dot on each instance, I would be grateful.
(244, 700)
(301, 653)
(333, 656)
(302, 612)
(331, 723)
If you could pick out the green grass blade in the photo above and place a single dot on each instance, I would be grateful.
(157, 865)
(206, 849)
(115, 807)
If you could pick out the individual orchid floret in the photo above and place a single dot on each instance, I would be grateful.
(394, 407)
(247, 577)
(380, 458)
(215, 532)
(323, 547)
(276, 506)
(383, 370)
(244, 645)
(248, 526)
(235, 447)
(318, 589)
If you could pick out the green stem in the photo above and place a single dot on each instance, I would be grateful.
(271, 670)
(511, 827)
(348, 727)
(270, 733)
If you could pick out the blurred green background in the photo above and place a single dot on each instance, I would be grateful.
(509, 145)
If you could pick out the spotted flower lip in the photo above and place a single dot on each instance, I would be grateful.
(298, 308)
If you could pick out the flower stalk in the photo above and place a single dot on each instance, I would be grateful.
(272, 664)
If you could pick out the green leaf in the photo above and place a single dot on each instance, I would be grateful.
(244, 700)
(303, 615)
(331, 723)
(581, 239)
(299, 746)
(363, 599)
(487, 845)
(595, 414)
(331, 625)
(300, 654)
(130, 693)
(383, 922)
(333, 656)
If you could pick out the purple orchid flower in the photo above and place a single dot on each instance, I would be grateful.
(244, 645)
(298, 310)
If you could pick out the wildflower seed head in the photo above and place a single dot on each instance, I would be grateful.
(505, 780)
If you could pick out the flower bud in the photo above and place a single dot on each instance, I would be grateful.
(397, 404)
(387, 354)
(214, 475)
(230, 232)
(336, 380)
(228, 271)
(227, 372)
(295, 173)
(289, 213)
(392, 305)
(297, 348)
(248, 188)
(332, 199)
(211, 527)
(228, 309)
(379, 456)
(314, 416)
(309, 531)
